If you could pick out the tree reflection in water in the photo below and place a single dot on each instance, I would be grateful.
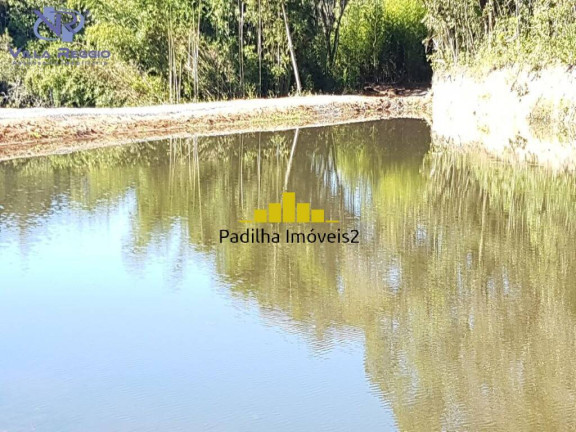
(462, 286)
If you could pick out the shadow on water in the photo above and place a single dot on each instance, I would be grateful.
(462, 286)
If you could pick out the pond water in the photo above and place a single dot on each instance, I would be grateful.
(121, 309)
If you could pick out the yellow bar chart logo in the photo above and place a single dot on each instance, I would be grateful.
(288, 211)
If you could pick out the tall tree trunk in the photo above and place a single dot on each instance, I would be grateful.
(241, 44)
(170, 62)
(334, 50)
(196, 54)
(260, 48)
(292, 54)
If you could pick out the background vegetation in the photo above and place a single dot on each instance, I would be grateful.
(497, 33)
(187, 50)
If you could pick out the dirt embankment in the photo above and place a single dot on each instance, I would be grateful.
(39, 131)
(513, 114)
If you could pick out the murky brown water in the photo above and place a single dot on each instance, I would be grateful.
(120, 310)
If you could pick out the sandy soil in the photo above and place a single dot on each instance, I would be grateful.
(43, 131)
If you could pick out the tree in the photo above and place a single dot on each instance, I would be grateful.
(330, 13)
(292, 53)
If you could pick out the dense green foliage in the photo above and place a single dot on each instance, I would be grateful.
(185, 50)
(386, 46)
(497, 33)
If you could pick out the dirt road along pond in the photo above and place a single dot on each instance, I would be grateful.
(42, 131)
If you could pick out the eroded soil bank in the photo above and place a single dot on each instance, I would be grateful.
(38, 131)
(513, 114)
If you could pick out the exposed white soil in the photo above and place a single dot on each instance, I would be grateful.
(183, 110)
(526, 116)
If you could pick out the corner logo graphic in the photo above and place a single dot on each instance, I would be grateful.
(289, 212)
(64, 23)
